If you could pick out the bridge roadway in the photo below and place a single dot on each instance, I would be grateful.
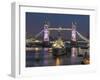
(81, 44)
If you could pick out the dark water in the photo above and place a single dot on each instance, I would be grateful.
(46, 58)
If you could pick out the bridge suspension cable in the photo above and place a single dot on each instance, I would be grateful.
(39, 33)
(82, 37)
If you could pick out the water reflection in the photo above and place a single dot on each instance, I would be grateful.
(50, 57)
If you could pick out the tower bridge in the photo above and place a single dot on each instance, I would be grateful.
(74, 34)
(59, 43)
(47, 29)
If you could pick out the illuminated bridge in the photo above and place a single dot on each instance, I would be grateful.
(71, 48)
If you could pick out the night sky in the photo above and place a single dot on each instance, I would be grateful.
(35, 22)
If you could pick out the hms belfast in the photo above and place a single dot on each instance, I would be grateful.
(53, 52)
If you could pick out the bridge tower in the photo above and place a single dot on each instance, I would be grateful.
(46, 32)
(46, 35)
(73, 39)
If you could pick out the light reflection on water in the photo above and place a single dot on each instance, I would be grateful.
(45, 57)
